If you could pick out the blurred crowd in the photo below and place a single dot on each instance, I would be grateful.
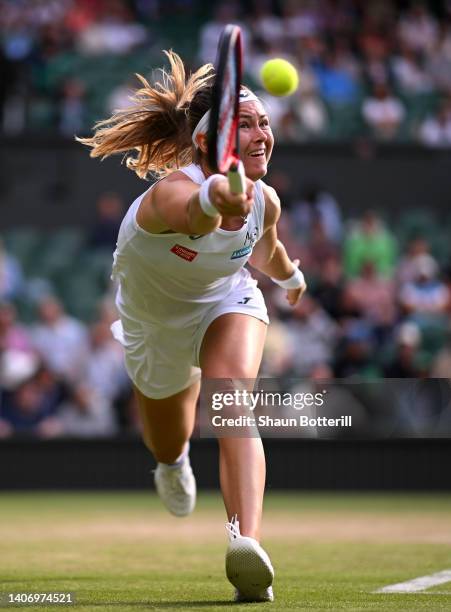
(378, 306)
(379, 68)
(61, 372)
(379, 298)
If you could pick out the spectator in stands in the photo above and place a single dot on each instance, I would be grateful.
(105, 370)
(31, 402)
(300, 19)
(338, 87)
(35, 40)
(328, 288)
(409, 74)
(425, 295)
(438, 64)
(407, 267)
(383, 113)
(417, 28)
(13, 336)
(435, 131)
(11, 278)
(86, 414)
(114, 31)
(264, 25)
(317, 203)
(405, 362)
(310, 326)
(374, 43)
(370, 240)
(104, 367)
(373, 296)
(312, 116)
(109, 213)
(16, 367)
(318, 249)
(210, 32)
(345, 59)
(302, 116)
(289, 127)
(356, 352)
(72, 107)
(119, 97)
(53, 42)
(61, 340)
(81, 14)
(426, 301)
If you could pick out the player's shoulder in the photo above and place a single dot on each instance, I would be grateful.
(177, 175)
(272, 204)
(175, 182)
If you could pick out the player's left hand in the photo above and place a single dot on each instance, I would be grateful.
(294, 295)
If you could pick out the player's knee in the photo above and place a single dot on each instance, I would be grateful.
(234, 377)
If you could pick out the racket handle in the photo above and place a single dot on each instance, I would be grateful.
(237, 178)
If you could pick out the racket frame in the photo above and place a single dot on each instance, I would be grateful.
(230, 163)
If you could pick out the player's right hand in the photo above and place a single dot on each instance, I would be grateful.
(227, 203)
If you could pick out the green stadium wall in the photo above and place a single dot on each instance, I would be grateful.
(54, 183)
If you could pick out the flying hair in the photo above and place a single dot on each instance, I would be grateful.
(155, 131)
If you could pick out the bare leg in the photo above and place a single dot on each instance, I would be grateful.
(242, 475)
(167, 424)
(232, 348)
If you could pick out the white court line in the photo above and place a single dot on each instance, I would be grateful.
(417, 584)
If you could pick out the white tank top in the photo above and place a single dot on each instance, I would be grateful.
(171, 278)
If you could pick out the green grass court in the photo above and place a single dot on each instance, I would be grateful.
(121, 551)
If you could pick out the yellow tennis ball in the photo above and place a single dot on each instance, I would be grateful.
(279, 77)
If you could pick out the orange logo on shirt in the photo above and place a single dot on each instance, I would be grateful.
(184, 252)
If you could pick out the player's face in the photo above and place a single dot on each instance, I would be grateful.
(256, 139)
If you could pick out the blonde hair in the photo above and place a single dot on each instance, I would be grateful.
(159, 123)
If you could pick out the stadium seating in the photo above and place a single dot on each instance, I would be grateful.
(58, 262)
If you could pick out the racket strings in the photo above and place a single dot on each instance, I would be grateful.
(226, 130)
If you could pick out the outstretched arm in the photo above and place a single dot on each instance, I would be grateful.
(270, 256)
(174, 204)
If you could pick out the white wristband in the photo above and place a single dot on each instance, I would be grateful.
(295, 281)
(204, 196)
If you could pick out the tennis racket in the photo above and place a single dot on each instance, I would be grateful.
(223, 133)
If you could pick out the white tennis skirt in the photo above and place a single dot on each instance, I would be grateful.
(162, 361)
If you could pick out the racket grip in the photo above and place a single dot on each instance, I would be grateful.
(237, 178)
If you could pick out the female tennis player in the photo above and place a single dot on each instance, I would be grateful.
(188, 307)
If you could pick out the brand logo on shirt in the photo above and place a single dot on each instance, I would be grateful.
(251, 237)
(241, 252)
(249, 241)
(184, 252)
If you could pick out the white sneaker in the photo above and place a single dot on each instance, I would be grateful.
(248, 566)
(176, 487)
(266, 595)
